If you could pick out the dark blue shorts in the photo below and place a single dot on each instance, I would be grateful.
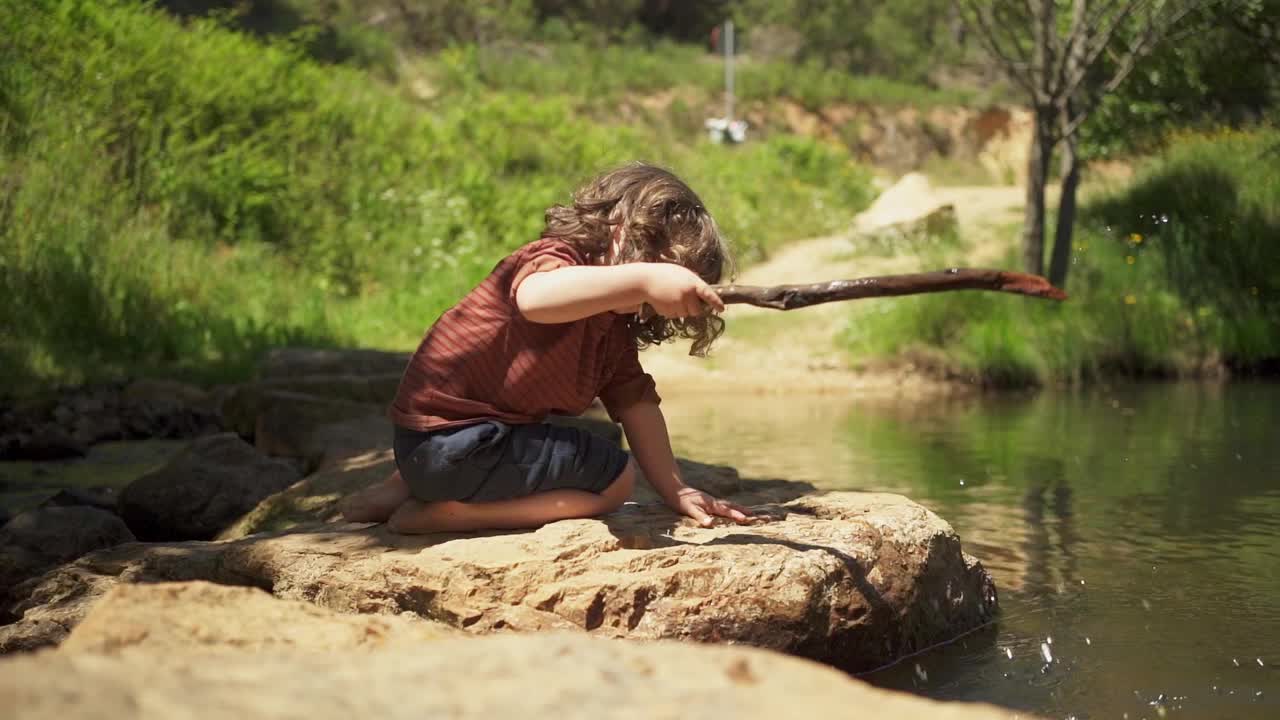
(491, 460)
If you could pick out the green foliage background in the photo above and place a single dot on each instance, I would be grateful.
(178, 197)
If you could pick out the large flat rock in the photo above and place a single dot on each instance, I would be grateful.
(175, 618)
(560, 676)
(853, 579)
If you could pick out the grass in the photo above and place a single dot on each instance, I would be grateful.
(177, 198)
(601, 77)
(1173, 276)
(954, 172)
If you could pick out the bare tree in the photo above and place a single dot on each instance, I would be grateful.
(1066, 55)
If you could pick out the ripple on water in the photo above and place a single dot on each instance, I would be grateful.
(1170, 511)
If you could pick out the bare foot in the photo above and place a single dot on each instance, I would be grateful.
(377, 502)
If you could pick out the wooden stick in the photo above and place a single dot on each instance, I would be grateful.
(791, 297)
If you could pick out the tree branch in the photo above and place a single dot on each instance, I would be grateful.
(1101, 41)
(791, 297)
(1073, 47)
(1018, 68)
(1155, 30)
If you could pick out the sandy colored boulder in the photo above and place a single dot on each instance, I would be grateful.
(38, 539)
(242, 404)
(853, 579)
(558, 676)
(301, 426)
(203, 489)
(174, 618)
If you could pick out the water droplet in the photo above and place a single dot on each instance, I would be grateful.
(1260, 663)
(1008, 652)
(1164, 219)
(1215, 689)
(1049, 639)
(1081, 581)
(961, 482)
(920, 673)
(1046, 653)
(1087, 641)
(1235, 662)
(1146, 605)
(1258, 694)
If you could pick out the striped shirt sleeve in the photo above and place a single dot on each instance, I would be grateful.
(541, 256)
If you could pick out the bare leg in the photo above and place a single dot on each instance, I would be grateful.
(376, 502)
(414, 516)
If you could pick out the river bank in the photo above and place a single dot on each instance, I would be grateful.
(855, 580)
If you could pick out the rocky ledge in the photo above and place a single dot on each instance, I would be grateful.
(852, 579)
(157, 651)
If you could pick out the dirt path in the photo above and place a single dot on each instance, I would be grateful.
(766, 351)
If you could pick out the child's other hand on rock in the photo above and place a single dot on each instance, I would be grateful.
(702, 507)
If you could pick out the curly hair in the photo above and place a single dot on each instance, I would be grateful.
(661, 220)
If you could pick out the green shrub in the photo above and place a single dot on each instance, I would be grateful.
(1170, 275)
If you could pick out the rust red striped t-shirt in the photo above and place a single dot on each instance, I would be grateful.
(483, 360)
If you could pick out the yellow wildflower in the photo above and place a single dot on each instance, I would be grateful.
(1136, 239)
(1130, 300)
(1129, 259)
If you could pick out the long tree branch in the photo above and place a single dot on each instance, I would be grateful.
(791, 297)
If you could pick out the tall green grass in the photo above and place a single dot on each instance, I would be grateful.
(175, 198)
(1174, 276)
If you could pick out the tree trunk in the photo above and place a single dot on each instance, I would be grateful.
(1060, 263)
(1037, 177)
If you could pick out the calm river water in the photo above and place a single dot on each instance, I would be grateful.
(1133, 532)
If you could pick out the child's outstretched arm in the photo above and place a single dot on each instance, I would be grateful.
(571, 293)
(646, 430)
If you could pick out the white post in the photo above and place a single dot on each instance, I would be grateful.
(728, 71)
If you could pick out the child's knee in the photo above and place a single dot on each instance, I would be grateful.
(620, 490)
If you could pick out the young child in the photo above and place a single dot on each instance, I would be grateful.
(554, 325)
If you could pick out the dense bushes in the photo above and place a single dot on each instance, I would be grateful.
(178, 196)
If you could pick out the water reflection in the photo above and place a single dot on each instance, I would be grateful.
(1136, 526)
